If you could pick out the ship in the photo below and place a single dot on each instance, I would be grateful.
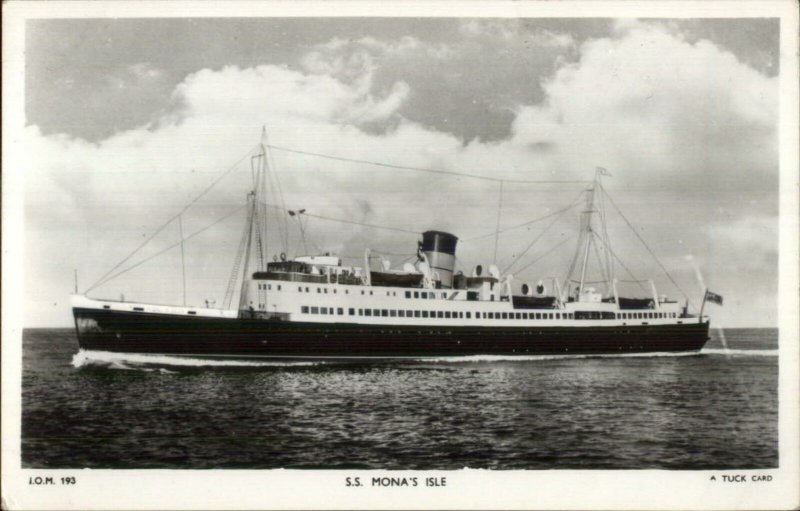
(318, 307)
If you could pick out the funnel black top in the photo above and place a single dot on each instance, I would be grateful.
(438, 241)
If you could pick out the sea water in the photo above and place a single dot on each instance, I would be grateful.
(713, 410)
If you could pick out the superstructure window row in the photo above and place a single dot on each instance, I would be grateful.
(404, 313)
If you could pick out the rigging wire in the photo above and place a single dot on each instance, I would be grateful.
(544, 255)
(353, 222)
(422, 169)
(644, 243)
(187, 238)
(603, 267)
(497, 226)
(164, 226)
(524, 224)
(237, 262)
(532, 243)
(635, 280)
(606, 240)
(270, 161)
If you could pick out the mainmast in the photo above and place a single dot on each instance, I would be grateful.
(589, 233)
(586, 232)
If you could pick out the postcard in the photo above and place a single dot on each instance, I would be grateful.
(408, 255)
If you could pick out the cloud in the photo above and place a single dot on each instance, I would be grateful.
(468, 87)
(510, 31)
(679, 124)
(657, 108)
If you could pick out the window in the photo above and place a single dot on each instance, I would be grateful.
(314, 310)
(368, 312)
(416, 294)
(319, 290)
(325, 290)
(477, 315)
(269, 286)
(468, 315)
(376, 312)
(299, 289)
(440, 314)
(408, 294)
(490, 315)
(519, 315)
(424, 294)
(393, 313)
(334, 291)
(401, 313)
(370, 293)
(416, 314)
(409, 313)
(304, 309)
(384, 313)
(279, 287)
(191, 312)
(424, 314)
(323, 310)
(306, 290)
(340, 311)
(351, 311)
(505, 315)
(362, 291)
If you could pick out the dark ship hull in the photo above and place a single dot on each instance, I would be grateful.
(135, 332)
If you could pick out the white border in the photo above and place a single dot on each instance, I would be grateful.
(467, 489)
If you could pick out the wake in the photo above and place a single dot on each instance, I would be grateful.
(139, 361)
(665, 354)
(152, 362)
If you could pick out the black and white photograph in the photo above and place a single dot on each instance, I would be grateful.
(422, 258)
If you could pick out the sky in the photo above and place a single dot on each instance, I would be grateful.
(128, 120)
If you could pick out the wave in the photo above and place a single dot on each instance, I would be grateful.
(145, 362)
(659, 354)
(739, 353)
(533, 358)
(141, 361)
